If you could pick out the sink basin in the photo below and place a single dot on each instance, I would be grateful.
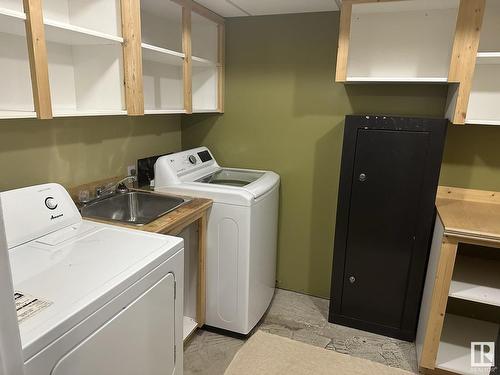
(136, 208)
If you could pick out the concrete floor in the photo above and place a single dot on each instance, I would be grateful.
(302, 318)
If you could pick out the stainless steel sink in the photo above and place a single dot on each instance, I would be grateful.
(134, 207)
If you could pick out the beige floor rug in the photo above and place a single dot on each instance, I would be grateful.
(269, 354)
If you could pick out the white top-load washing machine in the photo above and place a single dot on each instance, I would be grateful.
(91, 298)
(241, 235)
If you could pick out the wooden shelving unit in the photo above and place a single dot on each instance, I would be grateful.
(16, 99)
(454, 351)
(421, 41)
(485, 91)
(88, 58)
(162, 57)
(443, 339)
(389, 41)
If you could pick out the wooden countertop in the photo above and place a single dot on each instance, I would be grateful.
(469, 213)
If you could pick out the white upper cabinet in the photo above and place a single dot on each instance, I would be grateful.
(401, 41)
(16, 96)
(85, 57)
(485, 94)
(162, 57)
(205, 44)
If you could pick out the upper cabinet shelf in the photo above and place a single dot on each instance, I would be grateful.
(427, 41)
(16, 96)
(109, 57)
(400, 41)
(162, 57)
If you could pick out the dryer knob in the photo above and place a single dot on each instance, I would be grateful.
(51, 203)
(192, 159)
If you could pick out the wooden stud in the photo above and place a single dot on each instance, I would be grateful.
(464, 54)
(221, 70)
(201, 10)
(439, 301)
(343, 46)
(202, 249)
(37, 51)
(188, 65)
(132, 56)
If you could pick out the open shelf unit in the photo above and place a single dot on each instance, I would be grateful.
(476, 279)
(109, 57)
(389, 41)
(204, 34)
(454, 352)
(16, 95)
(484, 97)
(85, 58)
(162, 57)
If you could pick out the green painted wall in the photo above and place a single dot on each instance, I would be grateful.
(73, 151)
(284, 113)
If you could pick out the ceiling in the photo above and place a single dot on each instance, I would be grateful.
(241, 8)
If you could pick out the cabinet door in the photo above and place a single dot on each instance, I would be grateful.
(385, 202)
(139, 340)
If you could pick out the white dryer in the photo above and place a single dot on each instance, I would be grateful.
(91, 298)
(241, 235)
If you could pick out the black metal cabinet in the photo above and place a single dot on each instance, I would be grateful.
(389, 176)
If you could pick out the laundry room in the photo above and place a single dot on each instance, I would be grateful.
(243, 187)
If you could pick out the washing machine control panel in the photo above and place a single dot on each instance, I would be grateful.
(192, 160)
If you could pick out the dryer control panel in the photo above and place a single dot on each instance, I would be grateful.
(32, 212)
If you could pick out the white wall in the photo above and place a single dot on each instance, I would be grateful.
(11, 362)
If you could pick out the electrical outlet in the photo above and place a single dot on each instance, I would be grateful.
(131, 170)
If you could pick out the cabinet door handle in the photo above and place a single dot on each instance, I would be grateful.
(362, 177)
(352, 279)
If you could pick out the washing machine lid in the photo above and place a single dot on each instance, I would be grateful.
(63, 278)
(232, 177)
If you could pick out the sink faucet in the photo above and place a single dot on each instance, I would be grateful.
(118, 187)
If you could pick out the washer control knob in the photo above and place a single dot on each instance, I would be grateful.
(51, 203)
(192, 159)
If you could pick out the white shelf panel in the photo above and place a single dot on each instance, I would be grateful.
(390, 41)
(163, 111)
(190, 326)
(482, 122)
(6, 114)
(162, 55)
(12, 22)
(488, 58)
(87, 113)
(454, 348)
(209, 110)
(399, 79)
(64, 33)
(200, 61)
(476, 279)
(485, 95)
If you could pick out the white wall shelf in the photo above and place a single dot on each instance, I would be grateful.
(65, 33)
(86, 80)
(162, 55)
(12, 22)
(477, 280)
(454, 348)
(16, 97)
(205, 74)
(164, 111)
(100, 16)
(398, 79)
(389, 42)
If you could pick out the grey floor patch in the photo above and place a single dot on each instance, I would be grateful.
(302, 318)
